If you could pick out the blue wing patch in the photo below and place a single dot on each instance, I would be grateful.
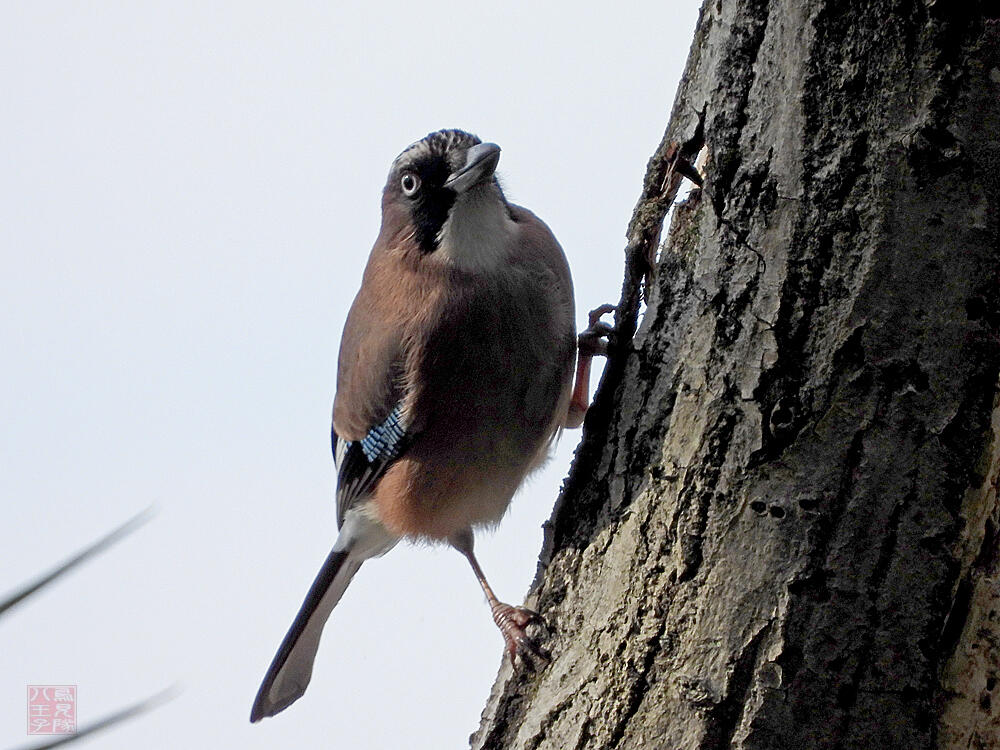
(361, 463)
(384, 440)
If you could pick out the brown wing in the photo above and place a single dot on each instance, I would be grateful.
(373, 417)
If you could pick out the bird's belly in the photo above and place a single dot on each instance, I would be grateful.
(437, 499)
(489, 401)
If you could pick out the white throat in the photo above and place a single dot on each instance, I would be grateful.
(477, 235)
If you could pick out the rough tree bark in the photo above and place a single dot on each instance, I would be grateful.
(781, 527)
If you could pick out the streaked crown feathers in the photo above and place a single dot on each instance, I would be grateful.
(449, 144)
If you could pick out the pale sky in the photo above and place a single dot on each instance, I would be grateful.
(188, 195)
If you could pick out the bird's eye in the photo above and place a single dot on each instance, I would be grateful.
(410, 184)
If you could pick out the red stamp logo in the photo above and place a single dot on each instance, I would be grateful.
(51, 709)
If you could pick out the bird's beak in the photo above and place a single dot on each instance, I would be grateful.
(480, 163)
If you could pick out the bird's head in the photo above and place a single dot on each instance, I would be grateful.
(442, 191)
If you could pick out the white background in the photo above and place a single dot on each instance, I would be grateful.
(188, 194)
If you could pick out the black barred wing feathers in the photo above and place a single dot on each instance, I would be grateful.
(361, 463)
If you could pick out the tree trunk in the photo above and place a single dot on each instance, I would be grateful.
(781, 527)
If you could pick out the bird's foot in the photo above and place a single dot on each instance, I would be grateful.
(592, 342)
(513, 623)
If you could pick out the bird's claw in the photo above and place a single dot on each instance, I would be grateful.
(591, 342)
(513, 623)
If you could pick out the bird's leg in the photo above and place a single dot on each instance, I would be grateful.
(512, 621)
(590, 343)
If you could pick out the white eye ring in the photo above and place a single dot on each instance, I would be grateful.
(410, 184)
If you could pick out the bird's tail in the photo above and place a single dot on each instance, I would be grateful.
(291, 668)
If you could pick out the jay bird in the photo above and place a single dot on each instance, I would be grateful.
(455, 375)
